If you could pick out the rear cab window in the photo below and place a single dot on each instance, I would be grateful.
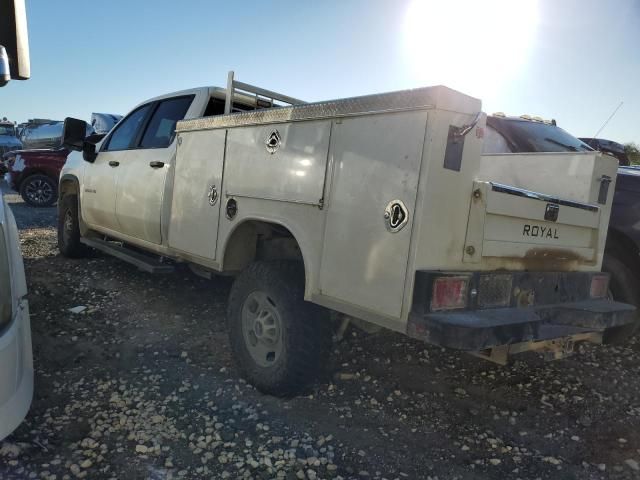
(162, 127)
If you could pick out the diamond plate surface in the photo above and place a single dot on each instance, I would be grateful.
(421, 98)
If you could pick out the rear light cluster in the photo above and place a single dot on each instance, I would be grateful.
(449, 293)
(460, 291)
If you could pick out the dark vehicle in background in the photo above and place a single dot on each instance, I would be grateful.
(8, 138)
(35, 173)
(608, 146)
(622, 250)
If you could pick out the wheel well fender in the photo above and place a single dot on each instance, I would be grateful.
(26, 173)
(622, 246)
(261, 239)
(68, 185)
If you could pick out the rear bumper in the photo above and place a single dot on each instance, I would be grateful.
(505, 308)
(481, 329)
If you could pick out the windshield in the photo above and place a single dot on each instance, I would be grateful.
(527, 136)
(7, 130)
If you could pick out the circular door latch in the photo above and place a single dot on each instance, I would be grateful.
(396, 216)
(231, 209)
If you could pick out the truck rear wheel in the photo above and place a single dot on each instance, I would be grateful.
(69, 228)
(624, 287)
(279, 341)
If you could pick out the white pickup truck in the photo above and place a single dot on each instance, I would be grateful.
(378, 208)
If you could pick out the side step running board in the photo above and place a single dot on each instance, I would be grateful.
(143, 262)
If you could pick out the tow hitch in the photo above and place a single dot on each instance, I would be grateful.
(553, 349)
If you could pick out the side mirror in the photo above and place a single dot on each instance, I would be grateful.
(15, 39)
(5, 74)
(89, 152)
(73, 134)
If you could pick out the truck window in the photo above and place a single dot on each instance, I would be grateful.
(7, 130)
(123, 136)
(162, 127)
(216, 107)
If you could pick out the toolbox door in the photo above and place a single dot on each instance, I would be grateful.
(376, 165)
(195, 207)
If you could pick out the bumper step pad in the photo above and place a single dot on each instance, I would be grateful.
(481, 329)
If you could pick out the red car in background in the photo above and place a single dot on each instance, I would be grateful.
(35, 173)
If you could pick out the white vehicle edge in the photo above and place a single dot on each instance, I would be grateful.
(16, 361)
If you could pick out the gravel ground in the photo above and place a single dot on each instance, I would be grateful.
(141, 385)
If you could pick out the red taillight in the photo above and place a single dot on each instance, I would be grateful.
(449, 293)
(599, 286)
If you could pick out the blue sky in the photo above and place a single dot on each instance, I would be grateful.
(573, 60)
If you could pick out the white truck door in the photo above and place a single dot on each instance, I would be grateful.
(141, 176)
(376, 167)
(195, 208)
(98, 196)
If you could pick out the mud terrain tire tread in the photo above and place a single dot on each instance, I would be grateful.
(306, 328)
(69, 242)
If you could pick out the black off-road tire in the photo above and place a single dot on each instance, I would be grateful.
(69, 228)
(39, 191)
(624, 286)
(305, 328)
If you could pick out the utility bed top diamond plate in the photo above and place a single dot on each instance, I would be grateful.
(420, 98)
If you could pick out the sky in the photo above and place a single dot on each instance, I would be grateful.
(572, 60)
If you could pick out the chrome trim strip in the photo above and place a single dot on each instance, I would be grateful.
(521, 192)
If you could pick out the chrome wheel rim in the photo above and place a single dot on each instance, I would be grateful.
(262, 328)
(39, 191)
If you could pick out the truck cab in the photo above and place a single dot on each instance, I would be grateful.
(130, 167)
(8, 138)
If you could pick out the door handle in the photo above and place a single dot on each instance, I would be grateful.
(156, 164)
(113, 163)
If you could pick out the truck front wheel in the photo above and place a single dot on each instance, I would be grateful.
(279, 341)
(69, 228)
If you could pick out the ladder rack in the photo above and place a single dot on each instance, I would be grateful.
(265, 98)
